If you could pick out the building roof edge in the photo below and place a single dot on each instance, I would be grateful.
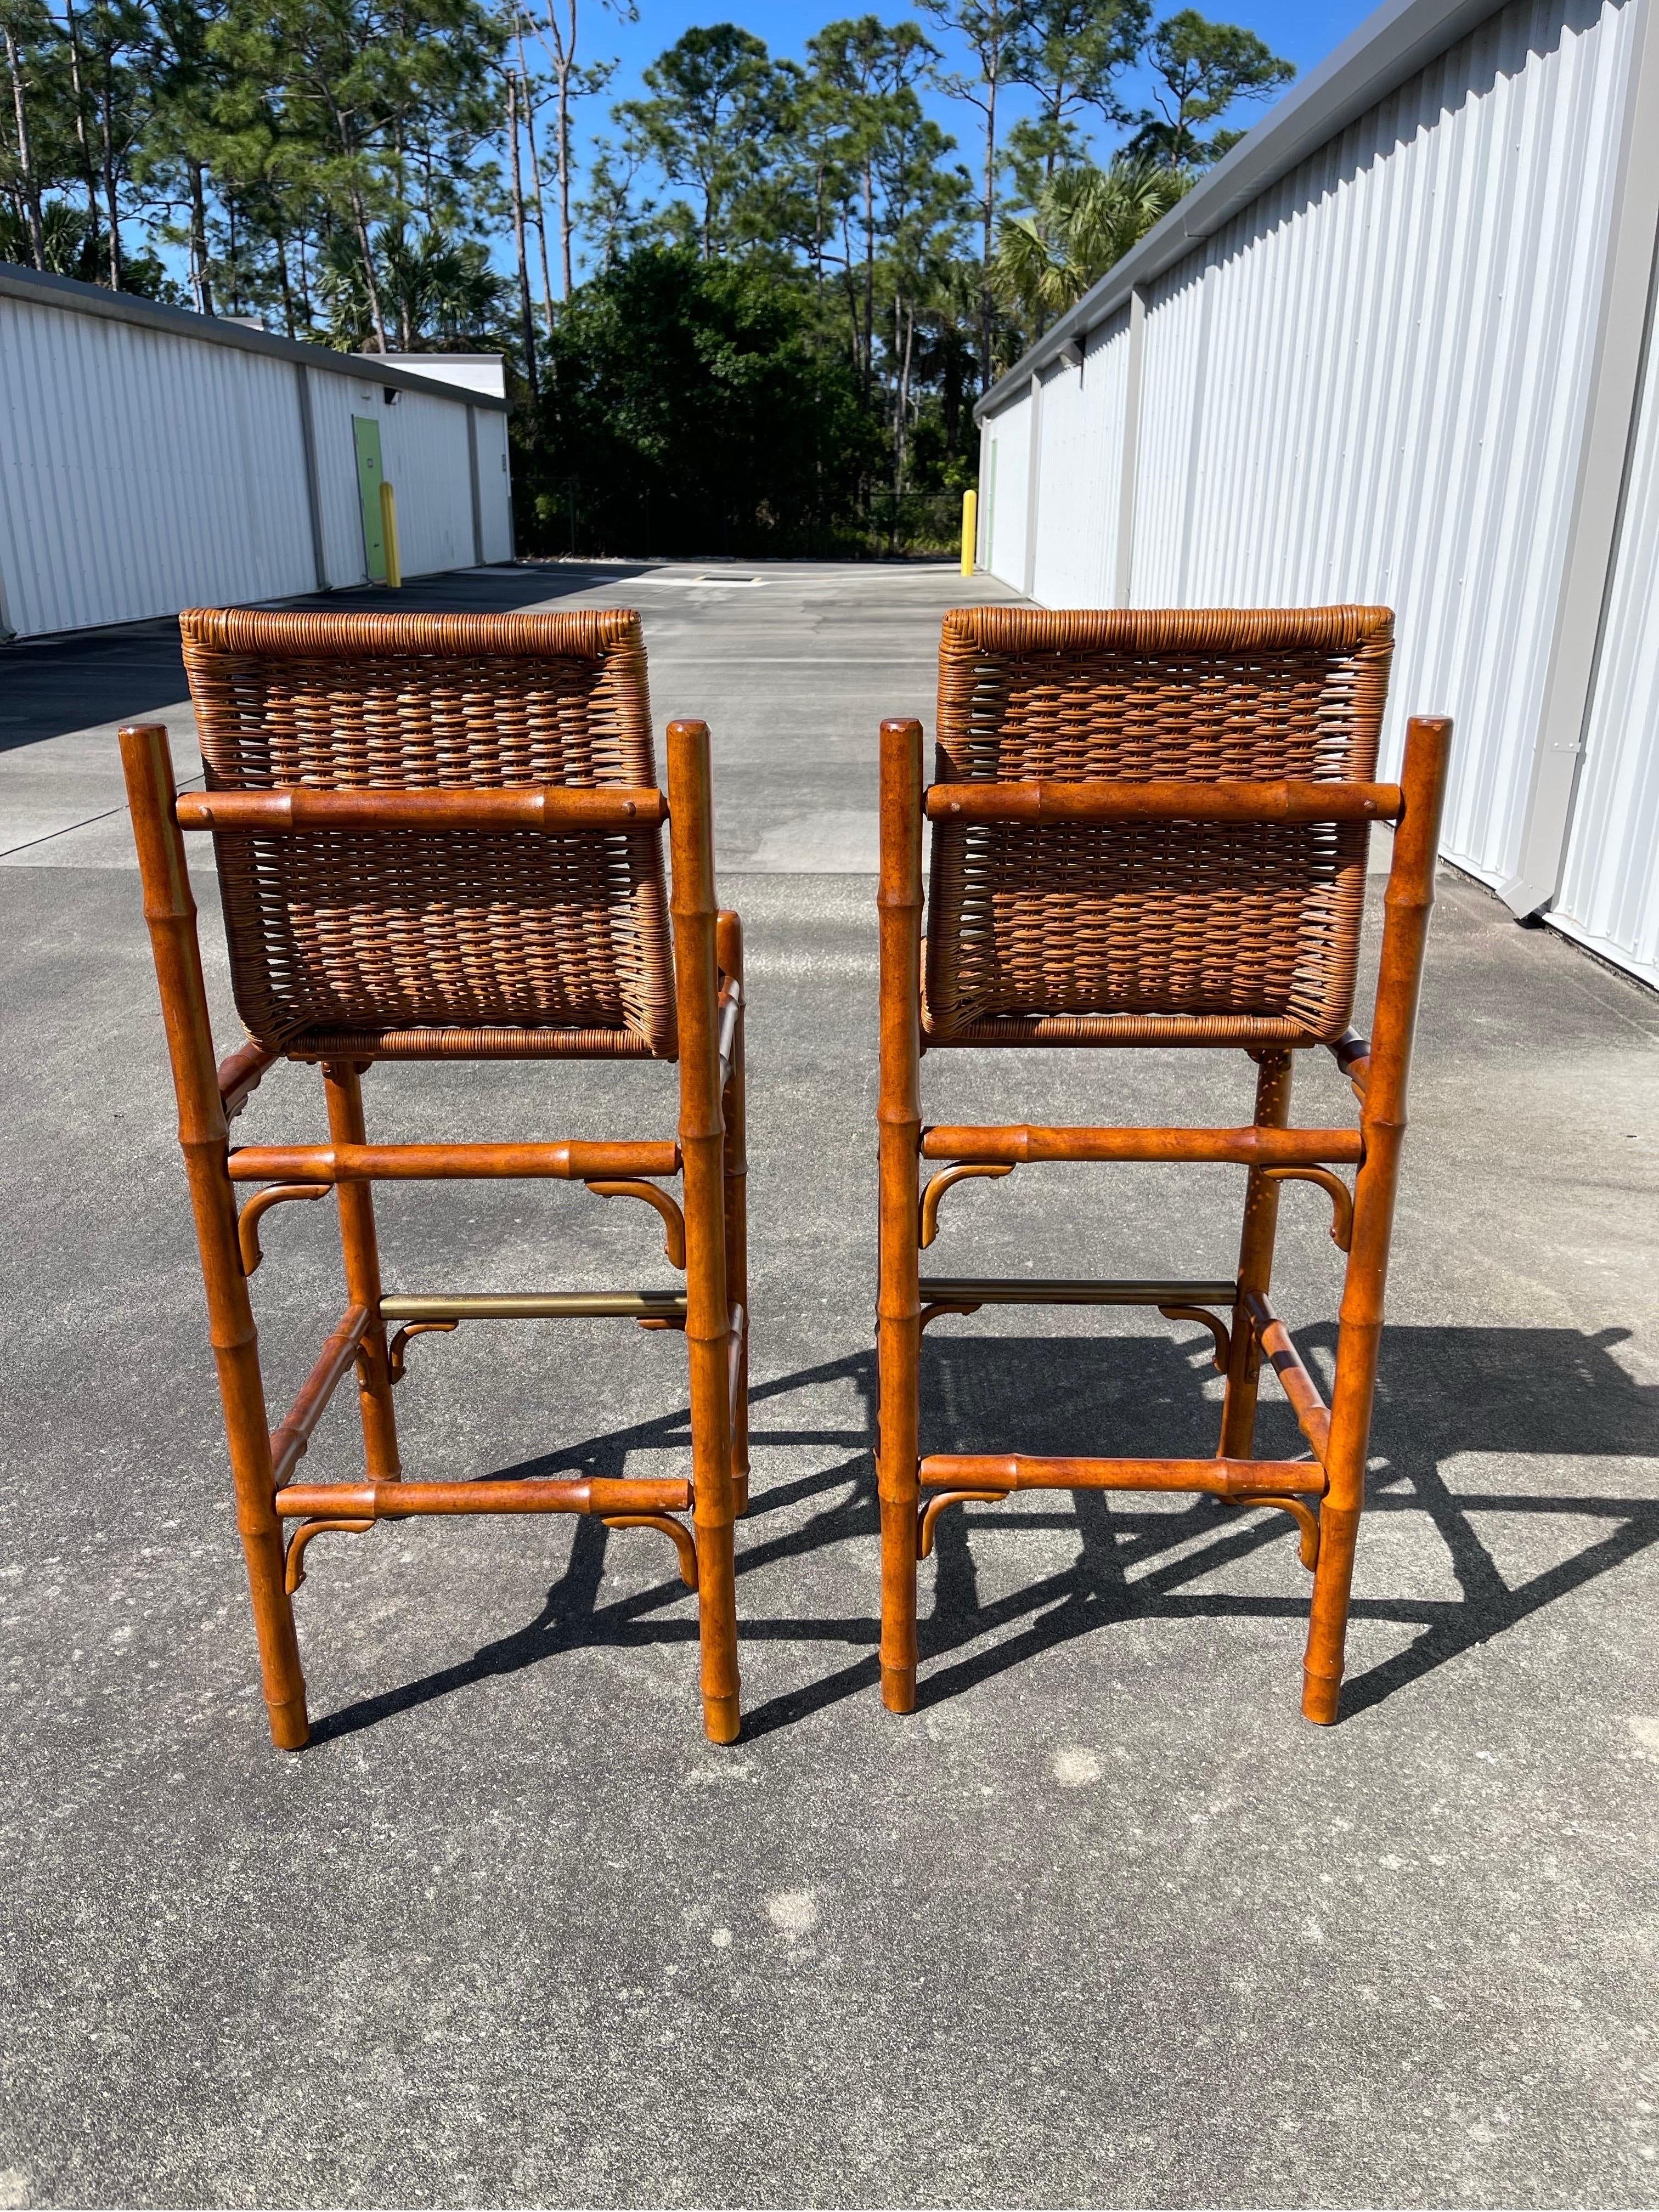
(1390, 47)
(74, 298)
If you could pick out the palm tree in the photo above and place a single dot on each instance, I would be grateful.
(1085, 221)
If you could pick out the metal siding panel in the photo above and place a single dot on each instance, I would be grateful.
(426, 462)
(1175, 310)
(1011, 444)
(1373, 385)
(335, 399)
(1080, 462)
(494, 486)
(1610, 890)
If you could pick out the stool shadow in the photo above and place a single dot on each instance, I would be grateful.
(1540, 1394)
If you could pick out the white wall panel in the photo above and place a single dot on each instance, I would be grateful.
(494, 487)
(423, 444)
(142, 471)
(1006, 489)
(1610, 890)
(1171, 399)
(1373, 385)
(1080, 458)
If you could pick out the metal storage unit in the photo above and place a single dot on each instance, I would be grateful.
(1390, 349)
(152, 459)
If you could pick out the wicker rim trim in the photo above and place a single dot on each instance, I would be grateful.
(493, 1043)
(281, 634)
(1164, 629)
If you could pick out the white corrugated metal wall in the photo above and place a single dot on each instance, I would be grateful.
(145, 469)
(430, 460)
(1007, 460)
(1080, 460)
(138, 475)
(1374, 384)
(1610, 892)
(494, 494)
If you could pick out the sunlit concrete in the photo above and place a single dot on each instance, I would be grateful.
(1105, 1922)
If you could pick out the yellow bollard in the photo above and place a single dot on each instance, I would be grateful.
(394, 565)
(969, 530)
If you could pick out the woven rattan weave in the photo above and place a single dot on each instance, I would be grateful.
(495, 944)
(1157, 932)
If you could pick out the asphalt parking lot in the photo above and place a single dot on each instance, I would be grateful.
(1105, 1922)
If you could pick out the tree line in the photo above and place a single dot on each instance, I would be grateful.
(750, 313)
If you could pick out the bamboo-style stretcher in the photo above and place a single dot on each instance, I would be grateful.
(439, 836)
(1150, 828)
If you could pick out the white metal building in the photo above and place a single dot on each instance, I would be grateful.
(1397, 348)
(152, 459)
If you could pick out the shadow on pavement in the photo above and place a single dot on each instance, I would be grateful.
(81, 678)
(1541, 1394)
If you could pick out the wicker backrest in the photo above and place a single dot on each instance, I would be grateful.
(1156, 932)
(464, 943)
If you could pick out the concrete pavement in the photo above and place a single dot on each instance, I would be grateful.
(1105, 1922)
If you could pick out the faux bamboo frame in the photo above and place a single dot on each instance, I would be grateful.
(707, 1154)
(1326, 1494)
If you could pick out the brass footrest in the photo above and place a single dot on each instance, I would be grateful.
(538, 1305)
(1015, 1290)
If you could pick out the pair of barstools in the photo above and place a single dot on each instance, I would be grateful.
(438, 837)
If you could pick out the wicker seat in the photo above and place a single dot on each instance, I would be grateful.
(439, 836)
(1151, 828)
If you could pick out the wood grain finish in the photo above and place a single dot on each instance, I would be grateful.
(271, 812)
(1233, 801)
(1262, 1145)
(898, 1303)
(170, 913)
(702, 1150)
(346, 1162)
(1406, 903)
(1217, 1478)
(1148, 828)
(728, 953)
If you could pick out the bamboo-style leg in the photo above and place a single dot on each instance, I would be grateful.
(707, 1322)
(728, 953)
(343, 1086)
(898, 1308)
(170, 911)
(1382, 1127)
(1255, 1262)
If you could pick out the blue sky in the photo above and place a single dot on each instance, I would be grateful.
(1304, 31)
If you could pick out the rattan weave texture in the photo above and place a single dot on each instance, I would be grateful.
(1151, 932)
(466, 943)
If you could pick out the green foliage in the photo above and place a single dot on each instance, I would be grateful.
(1085, 221)
(1199, 70)
(718, 108)
(686, 408)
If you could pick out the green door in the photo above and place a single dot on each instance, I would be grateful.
(367, 432)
